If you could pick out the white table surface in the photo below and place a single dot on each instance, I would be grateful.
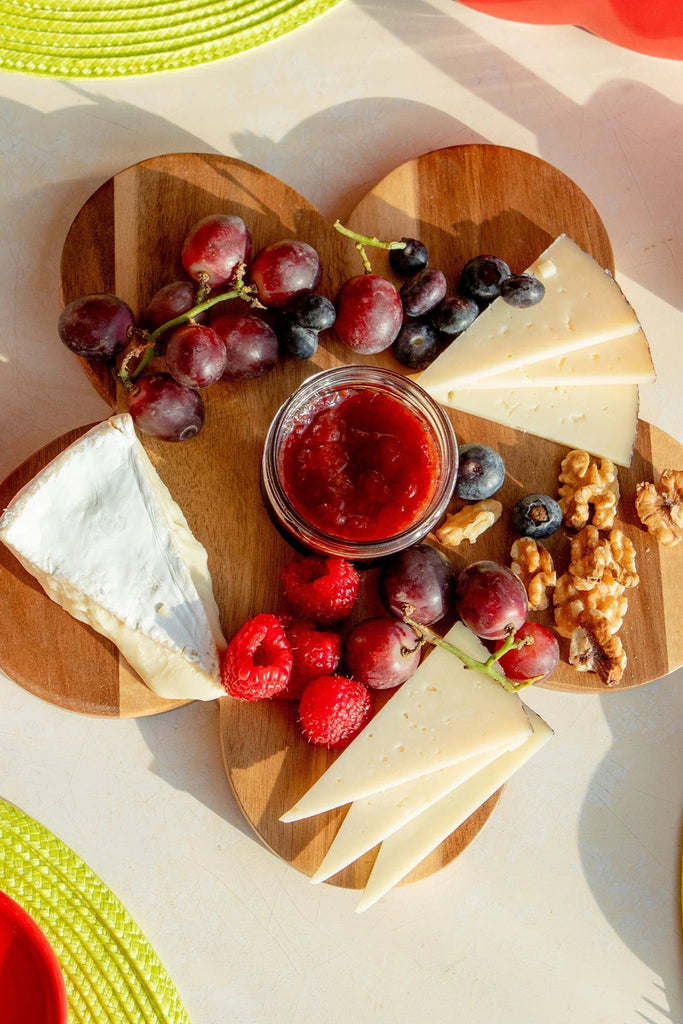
(566, 908)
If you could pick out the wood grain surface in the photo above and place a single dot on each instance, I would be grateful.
(126, 239)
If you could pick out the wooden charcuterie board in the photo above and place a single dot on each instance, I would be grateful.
(126, 239)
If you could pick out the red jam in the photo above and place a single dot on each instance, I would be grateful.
(360, 465)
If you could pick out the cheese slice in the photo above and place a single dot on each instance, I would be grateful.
(372, 819)
(406, 848)
(583, 305)
(102, 535)
(623, 360)
(444, 714)
(600, 420)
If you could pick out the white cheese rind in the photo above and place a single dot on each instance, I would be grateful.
(101, 533)
(603, 421)
(442, 715)
(623, 360)
(374, 818)
(405, 849)
(583, 305)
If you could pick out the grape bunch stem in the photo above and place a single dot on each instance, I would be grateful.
(489, 667)
(363, 240)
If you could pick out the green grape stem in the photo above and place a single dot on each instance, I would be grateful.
(363, 240)
(489, 667)
(138, 358)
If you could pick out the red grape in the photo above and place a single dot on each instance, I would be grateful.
(369, 313)
(420, 576)
(284, 270)
(539, 658)
(490, 600)
(423, 292)
(169, 302)
(381, 653)
(96, 326)
(195, 356)
(216, 246)
(251, 346)
(163, 408)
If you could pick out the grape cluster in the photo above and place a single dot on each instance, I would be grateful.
(186, 322)
(418, 319)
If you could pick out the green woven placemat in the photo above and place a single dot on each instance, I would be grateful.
(112, 38)
(111, 972)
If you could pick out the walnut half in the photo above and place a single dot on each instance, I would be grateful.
(533, 563)
(469, 523)
(593, 648)
(589, 491)
(660, 508)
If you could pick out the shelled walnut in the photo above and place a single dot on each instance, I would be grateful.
(588, 491)
(606, 596)
(660, 507)
(594, 648)
(533, 563)
(469, 522)
(592, 555)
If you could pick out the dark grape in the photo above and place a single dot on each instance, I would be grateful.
(369, 313)
(536, 515)
(195, 355)
(251, 345)
(416, 345)
(490, 600)
(295, 340)
(481, 471)
(537, 659)
(216, 246)
(96, 326)
(420, 576)
(423, 292)
(314, 311)
(410, 259)
(169, 302)
(284, 270)
(163, 408)
(381, 653)
(454, 315)
(482, 277)
(522, 290)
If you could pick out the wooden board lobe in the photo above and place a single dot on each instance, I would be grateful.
(461, 201)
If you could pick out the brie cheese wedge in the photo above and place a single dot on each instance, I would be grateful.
(101, 533)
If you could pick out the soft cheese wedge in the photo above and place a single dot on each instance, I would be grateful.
(444, 714)
(370, 820)
(402, 851)
(582, 306)
(101, 533)
(603, 421)
(623, 360)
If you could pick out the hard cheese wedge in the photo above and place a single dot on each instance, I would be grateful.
(372, 819)
(603, 421)
(444, 714)
(102, 535)
(582, 306)
(400, 853)
(623, 360)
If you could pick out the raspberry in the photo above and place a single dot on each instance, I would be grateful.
(333, 710)
(322, 589)
(315, 653)
(257, 662)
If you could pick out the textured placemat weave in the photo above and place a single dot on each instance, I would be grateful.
(112, 38)
(111, 972)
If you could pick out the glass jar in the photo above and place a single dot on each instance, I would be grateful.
(426, 476)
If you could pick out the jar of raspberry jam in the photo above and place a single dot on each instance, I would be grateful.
(359, 462)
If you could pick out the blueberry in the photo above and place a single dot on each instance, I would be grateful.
(454, 315)
(423, 292)
(295, 340)
(314, 311)
(410, 259)
(482, 277)
(416, 345)
(522, 290)
(481, 471)
(536, 515)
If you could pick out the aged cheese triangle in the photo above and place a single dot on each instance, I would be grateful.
(106, 541)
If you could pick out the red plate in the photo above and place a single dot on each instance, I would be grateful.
(32, 989)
